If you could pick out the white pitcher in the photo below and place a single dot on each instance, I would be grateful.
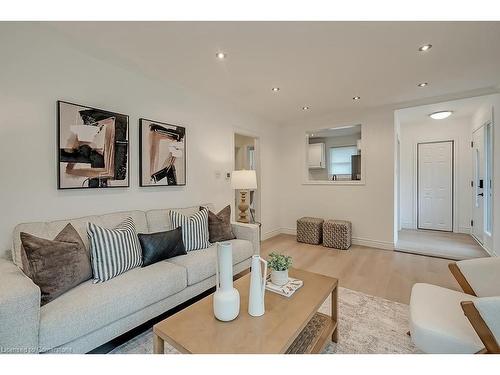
(226, 298)
(257, 287)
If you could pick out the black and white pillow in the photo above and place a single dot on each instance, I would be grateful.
(194, 229)
(113, 251)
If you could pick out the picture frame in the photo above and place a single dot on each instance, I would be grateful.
(92, 147)
(162, 154)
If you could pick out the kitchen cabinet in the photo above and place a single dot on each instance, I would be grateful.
(316, 156)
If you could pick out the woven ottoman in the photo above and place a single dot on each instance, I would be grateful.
(310, 230)
(337, 234)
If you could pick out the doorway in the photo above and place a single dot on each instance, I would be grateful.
(246, 156)
(435, 186)
(437, 208)
(482, 194)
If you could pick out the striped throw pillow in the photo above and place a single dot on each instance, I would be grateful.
(113, 251)
(194, 229)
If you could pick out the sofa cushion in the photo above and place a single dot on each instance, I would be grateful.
(57, 265)
(159, 219)
(200, 264)
(52, 228)
(114, 251)
(219, 225)
(161, 245)
(89, 306)
(194, 229)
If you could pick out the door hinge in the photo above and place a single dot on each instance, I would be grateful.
(472, 144)
(472, 223)
(472, 183)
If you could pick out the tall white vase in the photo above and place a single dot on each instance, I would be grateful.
(257, 291)
(226, 297)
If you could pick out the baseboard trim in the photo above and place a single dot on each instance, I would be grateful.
(384, 245)
(270, 234)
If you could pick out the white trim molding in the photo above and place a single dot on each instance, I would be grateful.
(384, 245)
(270, 234)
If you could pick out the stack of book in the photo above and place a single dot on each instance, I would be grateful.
(285, 290)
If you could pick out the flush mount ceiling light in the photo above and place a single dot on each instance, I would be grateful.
(220, 55)
(305, 108)
(425, 47)
(423, 84)
(440, 115)
(275, 89)
(356, 98)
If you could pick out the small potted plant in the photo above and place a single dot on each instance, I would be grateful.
(279, 265)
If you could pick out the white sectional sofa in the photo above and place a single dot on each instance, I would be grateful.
(93, 314)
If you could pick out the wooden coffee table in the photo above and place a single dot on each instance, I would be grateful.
(289, 325)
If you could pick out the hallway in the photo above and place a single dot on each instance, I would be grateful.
(456, 246)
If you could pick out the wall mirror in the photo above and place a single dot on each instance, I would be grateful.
(334, 156)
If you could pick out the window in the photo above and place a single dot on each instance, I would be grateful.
(340, 160)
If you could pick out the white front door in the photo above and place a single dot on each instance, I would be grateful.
(478, 188)
(435, 185)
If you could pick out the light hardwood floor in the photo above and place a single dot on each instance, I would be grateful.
(382, 273)
(441, 244)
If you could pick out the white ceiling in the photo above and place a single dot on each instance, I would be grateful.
(460, 108)
(318, 64)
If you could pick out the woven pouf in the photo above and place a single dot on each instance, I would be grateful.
(309, 230)
(337, 234)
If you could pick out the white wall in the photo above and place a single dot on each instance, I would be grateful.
(38, 68)
(458, 130)
(370, 206)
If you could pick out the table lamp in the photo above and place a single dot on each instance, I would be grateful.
(243, 180)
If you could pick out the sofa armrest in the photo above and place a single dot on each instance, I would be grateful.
(482, 274)
(19, 310)
(248, 232)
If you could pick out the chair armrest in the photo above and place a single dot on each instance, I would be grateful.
(482, 274)
(484, 316)
(248, 232)
(19, 310)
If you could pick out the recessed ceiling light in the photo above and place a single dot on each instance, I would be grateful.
(425, 47)
(305, 108)
(275, 89)
(220, 55)
(440, 115)
(423, 84)
(356, 98)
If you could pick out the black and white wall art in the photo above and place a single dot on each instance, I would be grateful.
(162, 154)
(93, 147)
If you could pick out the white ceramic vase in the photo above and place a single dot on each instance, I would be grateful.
(279, 277)
(226, 298)
(257, 287)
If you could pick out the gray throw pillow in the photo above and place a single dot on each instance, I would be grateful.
(219, 225)
(57, 265)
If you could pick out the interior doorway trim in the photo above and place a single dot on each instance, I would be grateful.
(452, 184)
(257, 137)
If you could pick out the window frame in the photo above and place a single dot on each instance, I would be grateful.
(305, 168)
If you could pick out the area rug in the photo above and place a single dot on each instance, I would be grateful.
(367, 325)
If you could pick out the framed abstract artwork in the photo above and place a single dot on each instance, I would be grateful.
(162, 154)
(92, 147)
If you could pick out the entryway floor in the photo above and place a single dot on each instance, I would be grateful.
(456, 246)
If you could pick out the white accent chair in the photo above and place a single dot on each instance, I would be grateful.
(447, 321)
(478, 277)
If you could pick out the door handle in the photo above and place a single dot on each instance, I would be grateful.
(480, 195)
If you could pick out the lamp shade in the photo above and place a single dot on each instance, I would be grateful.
(244, 180)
